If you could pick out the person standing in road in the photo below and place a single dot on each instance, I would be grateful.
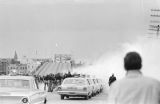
(111, 79)
(134, 88)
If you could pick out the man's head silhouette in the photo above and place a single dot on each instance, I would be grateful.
(132, 61)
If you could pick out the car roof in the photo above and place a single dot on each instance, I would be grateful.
(17, 77)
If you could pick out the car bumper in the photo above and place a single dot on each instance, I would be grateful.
(73, 93)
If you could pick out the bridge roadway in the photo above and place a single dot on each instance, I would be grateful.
(54, 98)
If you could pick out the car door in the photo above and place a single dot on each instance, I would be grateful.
(95, 84)
(89, 86)
(37, 96)
(92, 85)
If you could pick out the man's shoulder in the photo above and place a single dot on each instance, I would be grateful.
(151, 80)
(143, 79)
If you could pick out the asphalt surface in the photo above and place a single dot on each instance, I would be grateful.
(54, 98)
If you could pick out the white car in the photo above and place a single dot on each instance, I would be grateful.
(93, 86)
(75, 87)
(20, 90)
(100, 84)
(97, 87)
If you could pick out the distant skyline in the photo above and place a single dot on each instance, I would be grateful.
(87, 29)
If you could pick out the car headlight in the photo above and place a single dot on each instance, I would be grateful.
(25, 100)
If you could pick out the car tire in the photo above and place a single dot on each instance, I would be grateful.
(86, 97)
(94, 94)
(67, 97)
(62, 97)
(45, 101)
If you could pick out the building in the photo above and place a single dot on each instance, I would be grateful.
(3, 68)
(15, 56)
(32, 65)
(62, 58)
(15, 59)
(18, 69)
(4, 63)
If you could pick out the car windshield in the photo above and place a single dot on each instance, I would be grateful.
(15, 83)
(74, 81)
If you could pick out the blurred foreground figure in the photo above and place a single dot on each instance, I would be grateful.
(134, 88)
(111, 79)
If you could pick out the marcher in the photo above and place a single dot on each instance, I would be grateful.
(134, 88)
(111, 79)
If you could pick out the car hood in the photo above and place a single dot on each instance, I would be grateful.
(16, 92)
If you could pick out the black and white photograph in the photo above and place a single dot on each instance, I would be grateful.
(79, 51)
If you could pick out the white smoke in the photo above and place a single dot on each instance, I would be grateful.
(112, 62)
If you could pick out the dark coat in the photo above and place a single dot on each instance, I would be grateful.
(111, 80)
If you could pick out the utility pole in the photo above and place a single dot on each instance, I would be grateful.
(155, 22)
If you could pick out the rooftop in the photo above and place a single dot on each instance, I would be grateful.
(16, 77)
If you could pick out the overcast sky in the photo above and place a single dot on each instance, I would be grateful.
(85, 28)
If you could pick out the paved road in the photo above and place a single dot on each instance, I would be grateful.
(54, 98)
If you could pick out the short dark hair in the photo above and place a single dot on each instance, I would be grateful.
(132, 61)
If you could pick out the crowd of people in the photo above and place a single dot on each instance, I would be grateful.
(51, 81)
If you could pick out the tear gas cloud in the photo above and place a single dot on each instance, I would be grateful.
(112, 62)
